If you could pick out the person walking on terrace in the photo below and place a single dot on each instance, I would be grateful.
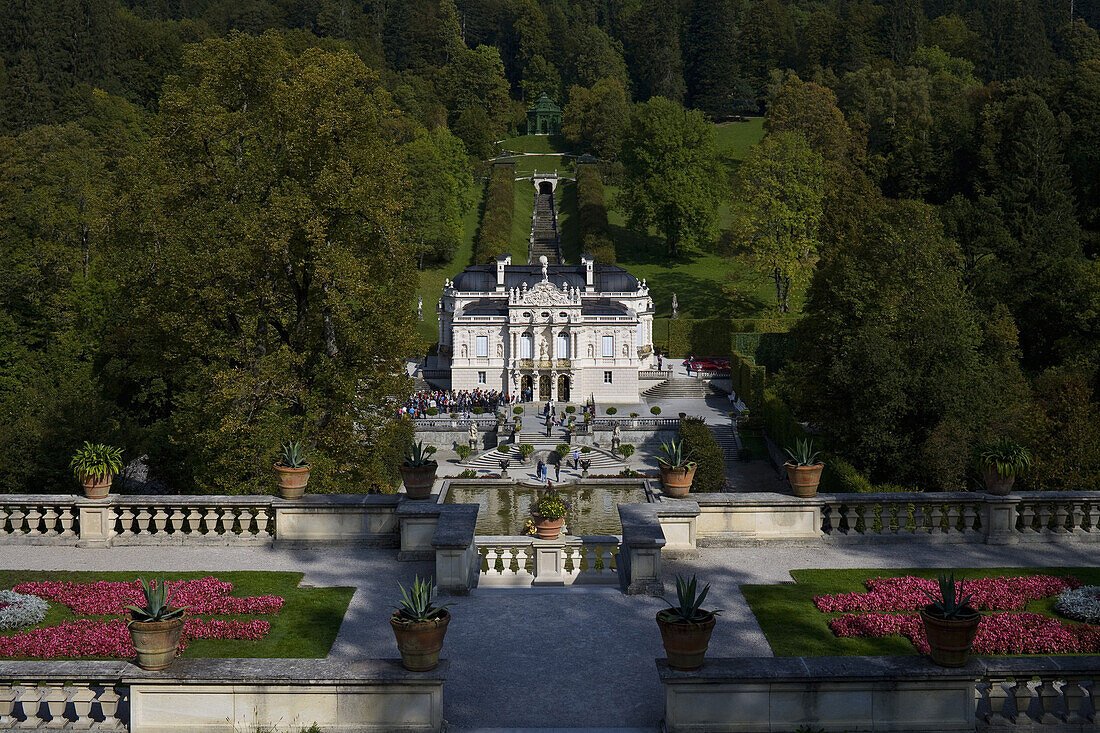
(540, 471)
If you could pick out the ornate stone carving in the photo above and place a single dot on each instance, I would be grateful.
(545, 293)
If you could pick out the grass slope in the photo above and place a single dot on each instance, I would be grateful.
(795, 628)
(305, 627)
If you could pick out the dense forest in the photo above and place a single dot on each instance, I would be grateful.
(212, 211)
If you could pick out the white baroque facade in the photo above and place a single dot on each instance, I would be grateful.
(571, 332)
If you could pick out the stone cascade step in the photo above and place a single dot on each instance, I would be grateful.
(545, 237)
(679, 388)
(489, 462)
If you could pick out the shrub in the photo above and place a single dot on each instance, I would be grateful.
(525, 450)
(517, 410)
(627, 450)
(611, 411)
(562, 449)
(477, 410)
(655, 410)
(701, 446)
(570, 409)
(468, 473)
(841, 477)
(432, 411)
(593, 227)
(463, 451)
(494, 236)
(586, 449)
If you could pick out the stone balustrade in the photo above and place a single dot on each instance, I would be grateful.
(637, 423)
(830, 694)
(483, 423)
(655, 374)
(567, 560)
(216, 695)
(38, 519)
(960, 517)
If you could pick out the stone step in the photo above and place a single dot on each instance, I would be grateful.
(678, 388)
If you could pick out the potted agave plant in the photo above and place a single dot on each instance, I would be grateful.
(677, 472)
(419, 626)
(1000, 463)
(548, 514)
(685, 626)
(96, 466)
(418, 470)
(804, 469)
(292, 470)
(950, 623)
(155, 627)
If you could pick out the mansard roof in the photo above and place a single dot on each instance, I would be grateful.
(483, 278)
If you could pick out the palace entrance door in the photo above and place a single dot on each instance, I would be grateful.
(525, 388)
(563, 388)
(544, 388)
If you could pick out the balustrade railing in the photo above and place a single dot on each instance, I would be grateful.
(75, 705)
(224, 520)
(661, 423)
(654, 374)
(863, 515)
(1047, 702)
(1057, 513)
(567, 560)
(481, 422)
(37, 518)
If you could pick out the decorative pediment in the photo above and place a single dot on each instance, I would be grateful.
(547, 294)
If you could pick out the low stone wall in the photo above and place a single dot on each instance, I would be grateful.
(213, 695)
(834, 694)
(450, 439)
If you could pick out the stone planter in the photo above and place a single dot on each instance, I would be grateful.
(547, 529)
(685, 644)
(676, 480)
(804, 479)
(292, 481)
(156, 642)
(950, 639)
(419, 641)
(996, 485)
(96, 487)
(418, 480)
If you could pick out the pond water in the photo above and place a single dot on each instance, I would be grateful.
(592, 510)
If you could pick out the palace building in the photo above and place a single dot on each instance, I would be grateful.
(562, 332)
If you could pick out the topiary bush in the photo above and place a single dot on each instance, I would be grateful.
(463, 451)
(701, 446)
(477, 410)
(611, 411)
(562, 449)
(627, 450)
(468, 473)
(432, 411)
(570, 409)
(655, 410)
(517, 410)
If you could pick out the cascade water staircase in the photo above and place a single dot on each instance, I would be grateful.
(545, 237)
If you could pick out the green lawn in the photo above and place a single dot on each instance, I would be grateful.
(738, 137)
(795, 628)
(535, 144)
(306, 625)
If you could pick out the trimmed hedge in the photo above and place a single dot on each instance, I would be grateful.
(779, 422)
(594, 230)
(682, 337)
(748, 380)
(494, 236)
(701, 446)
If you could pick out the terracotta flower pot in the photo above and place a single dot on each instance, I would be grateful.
(996, 485)
(292, 481)
(950, 639)
(418, 480)
(547, 529)
(97, 487)
(685, 644)
(676, 482)
(804, 479)
(419, 642)
(156, 642)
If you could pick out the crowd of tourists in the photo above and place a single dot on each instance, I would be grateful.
(446, 401)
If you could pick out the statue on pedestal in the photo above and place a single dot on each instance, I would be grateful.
(616, 439)
(473, 437)
(420, 308)
(675, 306)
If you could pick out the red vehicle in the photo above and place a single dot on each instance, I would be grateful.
(707, 365)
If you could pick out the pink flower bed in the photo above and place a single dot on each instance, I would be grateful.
(104, 598)
(998, 633)
(904, 593)
(88, 638)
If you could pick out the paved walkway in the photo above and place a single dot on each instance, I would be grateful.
(567, 658)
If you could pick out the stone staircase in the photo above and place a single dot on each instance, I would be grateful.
(679, 388)
(728, 440)
(545, 239)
